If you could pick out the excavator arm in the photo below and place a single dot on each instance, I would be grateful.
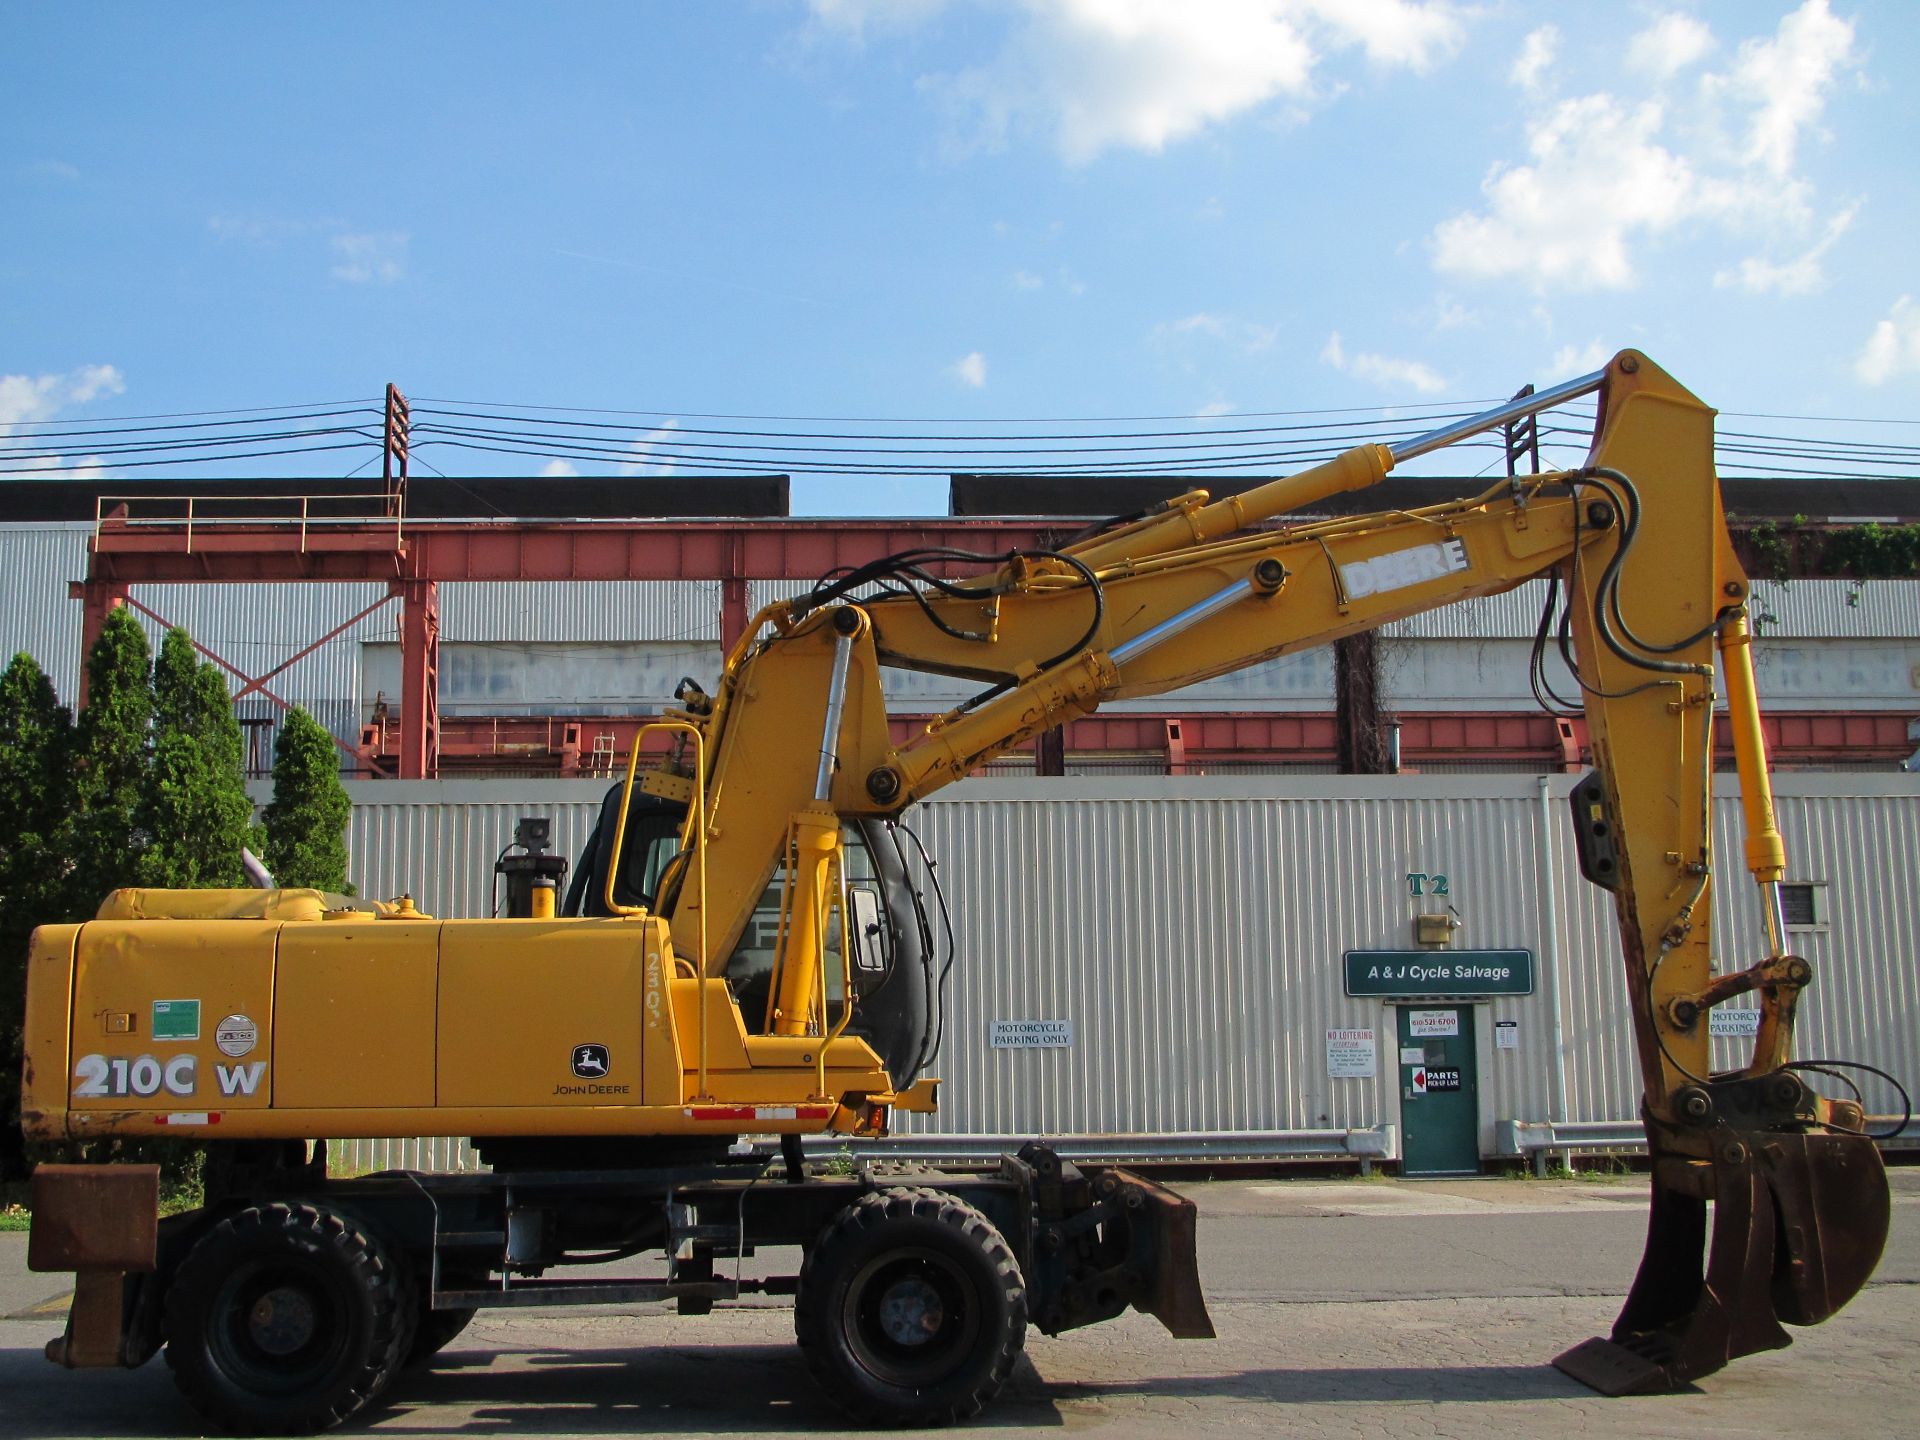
(796, 742)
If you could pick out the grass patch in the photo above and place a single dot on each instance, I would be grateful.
(16, 1215)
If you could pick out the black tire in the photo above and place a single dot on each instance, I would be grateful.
(437, 1330)
(912, 1309)
(285, 1319)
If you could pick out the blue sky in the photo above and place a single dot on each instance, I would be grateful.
(1031, 208)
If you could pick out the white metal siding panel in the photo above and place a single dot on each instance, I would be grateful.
(580, 610)
(1192, 931)
(1817, 609)
(36, 563)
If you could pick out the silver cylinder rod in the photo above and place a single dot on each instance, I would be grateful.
(1501, 415)
(1171, 626)
(836, 702)
(1773, 909)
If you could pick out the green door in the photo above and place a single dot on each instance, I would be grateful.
(1439, 1097)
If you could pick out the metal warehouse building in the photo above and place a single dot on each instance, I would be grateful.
(1184, 939)
(1154, 931)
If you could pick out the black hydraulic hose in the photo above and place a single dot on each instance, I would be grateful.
(1611, 621)
(938, 1035)
(583, 874)
(1835, 1068)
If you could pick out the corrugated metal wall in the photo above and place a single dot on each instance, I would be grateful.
(256, 626)
(1191, 930)
(1475, 661)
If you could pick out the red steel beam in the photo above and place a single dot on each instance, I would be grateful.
(565, 744)
(419, 679)
(533, 551)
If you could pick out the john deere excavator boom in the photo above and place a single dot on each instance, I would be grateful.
(1636, 538)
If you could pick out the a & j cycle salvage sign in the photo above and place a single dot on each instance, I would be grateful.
(1422, 973)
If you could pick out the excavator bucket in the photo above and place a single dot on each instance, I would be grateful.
(1799, 1221)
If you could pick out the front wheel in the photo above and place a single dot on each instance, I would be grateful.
(912, 1309)
(285, 1319)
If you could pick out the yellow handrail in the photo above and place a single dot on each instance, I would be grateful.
(692, 837)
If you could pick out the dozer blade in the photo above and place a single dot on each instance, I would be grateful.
(1172, 1283)
(1799, 1221)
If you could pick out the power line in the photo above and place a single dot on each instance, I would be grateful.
(190, 414)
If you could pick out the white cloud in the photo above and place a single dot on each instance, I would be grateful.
(29, 399)
(1450, 314)
(1200, 323)
(1606, 174)
(1669, 45)
(1027, 280)
(853, 19)
(1598, 174)
(1894, 346)
(55, 170)
(1228, 329)
(1787, 79)
(1381, 370)
(557, 470)
(1537, 53)
(646, 445)
(1095, 75)
(25, 399)
(360, 259)
(1569, 360)
(1801, 275)
(970, 370)
(1214, 410)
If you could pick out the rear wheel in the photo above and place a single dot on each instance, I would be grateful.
(912, 1310)
(285, 1319)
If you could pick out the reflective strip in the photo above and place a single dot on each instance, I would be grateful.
(758, 1112)
(201, 1118)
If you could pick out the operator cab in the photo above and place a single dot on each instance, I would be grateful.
(892, 963)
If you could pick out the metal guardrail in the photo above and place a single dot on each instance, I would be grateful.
(1538, 1139)
(186, 512)
(1366, 1146)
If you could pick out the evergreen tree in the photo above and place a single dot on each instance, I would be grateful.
(196, 811)
(111, 762)
(36, 735)
(307, 818)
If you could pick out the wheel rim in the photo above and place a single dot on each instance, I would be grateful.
(911, 1316)
(276, 1327)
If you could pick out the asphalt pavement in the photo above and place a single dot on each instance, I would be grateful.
(1366, 1308)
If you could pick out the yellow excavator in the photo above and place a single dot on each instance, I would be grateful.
(745, 950)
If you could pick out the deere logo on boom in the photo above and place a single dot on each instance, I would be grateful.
(1398, 569)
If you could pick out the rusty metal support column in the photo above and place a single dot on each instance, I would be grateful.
(733, 595)
(98, 599)
(1050, 752)
(420, 679)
